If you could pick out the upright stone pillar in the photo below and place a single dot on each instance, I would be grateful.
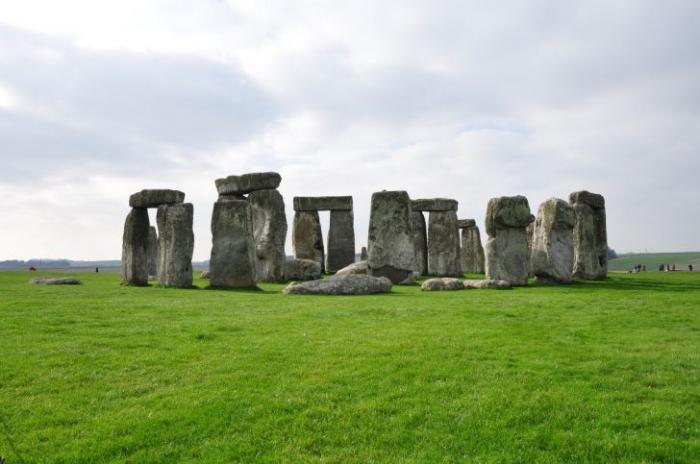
(135, 248)
(363, 254)
(176, 244)
(232, 262)
(590, 236)
(507, 253)
(341, 240)
(152, 251)
(443, 244)
(472, 252)
(307, 238)
(269, 233)
(552, 257)
(391, 251)
(420, 243)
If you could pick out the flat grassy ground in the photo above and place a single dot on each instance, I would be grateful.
(591, 372)
(625, 262)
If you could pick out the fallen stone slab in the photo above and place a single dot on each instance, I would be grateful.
(323, 203)
(246, 183)
(487, 283)
(442, 283)
(359, 267)
(434, 204)
(351, 284)
(152, 198)
(55, 281)
(302, 269)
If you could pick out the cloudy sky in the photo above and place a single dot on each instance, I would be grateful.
(460, 99)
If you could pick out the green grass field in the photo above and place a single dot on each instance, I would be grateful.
(625, 262)
(592, 372)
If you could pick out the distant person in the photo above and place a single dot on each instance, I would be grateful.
(97, 269)
(644, 268)
(668, 268)
(661, 267)
(690, 267)
(32, 268)
(674, 268)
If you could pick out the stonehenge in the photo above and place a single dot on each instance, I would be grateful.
(507, 253)
(472, 252)
(269, 234)
(590, 236)
(307, 238)
(302, 269)
(348, 284)
(238, 186)
(232, 262)
(552, 255)
(138, 239)
(420, 243)
(443, 257)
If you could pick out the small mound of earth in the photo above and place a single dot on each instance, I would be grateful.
(349, 284)
(497, 284)
(55, 281)
(442, 283)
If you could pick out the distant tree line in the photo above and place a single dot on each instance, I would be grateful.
(611, 253)
(35, 263)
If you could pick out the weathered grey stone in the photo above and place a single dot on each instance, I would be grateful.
(232, 262)
(152, 251)
(507, 253)
(497, 284)
(135, 247)
(175, 245)
(341, 240)
(471, 252)
(307, 238)
(359, 267)
(420, 243)
(530, 230)
(152, 198)
(466, 223)
(434, 204)
(269, 233)
(590, 236)
(391, 237)
(55, 281)
(323, 203)
(204, 275)
(302, 269)
(349, 284)
(442, 283)
(246, 183)
(363, 254)
(443, 244)
(552, 257)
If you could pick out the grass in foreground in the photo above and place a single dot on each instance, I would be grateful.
(592, 372)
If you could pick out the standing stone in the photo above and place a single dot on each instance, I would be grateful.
(472, 252)
(307, 238)
(152, 251)
(506, 248)
(420, 243)
(175, 243)
(363, 254)
(135, 247)
(269, 233)
(552, 257)
(590, 236)
(443, 244)
(391, 237)
(341, 240)
(232, 262)
(530, 234)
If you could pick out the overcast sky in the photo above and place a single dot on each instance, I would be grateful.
(460, 99)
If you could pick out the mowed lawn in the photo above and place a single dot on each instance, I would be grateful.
(591, 372)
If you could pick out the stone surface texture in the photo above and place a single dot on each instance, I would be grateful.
(232, 263)
(341, 240)
(497, 284)
(269, 233)
(152, 251)
(307, 238)
(471, 252)
(152, 198)
(246, 183)
(323, 203)
(349, 284)
(590, 236)
(507, 253)
(391, 250)
(175, 245)
(302, 269)
(55, 281)
(434, 204)
(443, 244)
(363, 254)
(420, 243)
(552, 257)
(442, 283)
(135, 247)
(359, 267)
